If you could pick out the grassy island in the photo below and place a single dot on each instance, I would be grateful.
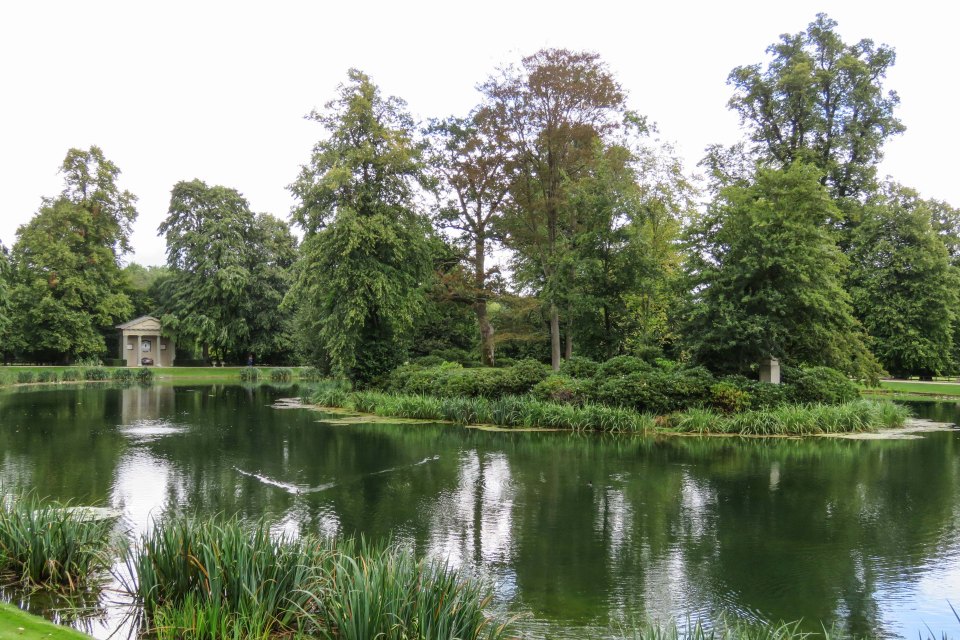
(622, 395)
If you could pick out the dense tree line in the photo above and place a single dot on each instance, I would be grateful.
(550, 221)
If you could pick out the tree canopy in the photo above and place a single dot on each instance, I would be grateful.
(364, 259)
(767, 279)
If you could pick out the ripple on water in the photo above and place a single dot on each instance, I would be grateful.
(148, 430)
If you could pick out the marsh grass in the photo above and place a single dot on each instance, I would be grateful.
(386, 593)
(281, 374)
(508, 411)
(205, 579)
(51, 545)
(851, 417)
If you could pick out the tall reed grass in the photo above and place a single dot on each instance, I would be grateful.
(209, 580)
(51, 544)
(852, 417)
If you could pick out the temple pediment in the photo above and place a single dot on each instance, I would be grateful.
(144, 323)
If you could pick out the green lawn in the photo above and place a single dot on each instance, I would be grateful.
(17, 624)
(920, 388)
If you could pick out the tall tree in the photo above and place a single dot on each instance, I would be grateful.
(228, 273)
(67, 285)
(555, 107)
(472, 163)
(820, 101)
(766, 276)
(4, 297)
(364, 257)
(903, 284)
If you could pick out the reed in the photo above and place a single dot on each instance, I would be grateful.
(51, 544)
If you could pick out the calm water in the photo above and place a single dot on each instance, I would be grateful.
(583, 535)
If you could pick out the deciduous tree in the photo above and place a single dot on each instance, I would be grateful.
(902, 284)
(820, 101)
(555, 107)
(767, 279)
(67, 285)
(364, 259)
(229, 270)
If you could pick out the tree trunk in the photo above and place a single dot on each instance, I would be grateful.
(568, 349)
(486, 333)
(480, 306)
(607, 331)
(554, 337)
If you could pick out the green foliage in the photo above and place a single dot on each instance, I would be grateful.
(26, 376)
(621, 366)
(67, 288)
(221, 579)
(729, 398)
(563, 389)
(823, 385)
(364, 255)
(96, 373)
(71, 375)
(452, 380)
(51, 544)
(47, 375)
(794, 419)
(229, 271)
(656, 392)
(401, 598)
(820, 101)
(144, 375)
(114, 362)
(903, 285)
(311, 374)
(767, 280)
(579, 367)
(282, 374)
(123, 375)
(249, 374)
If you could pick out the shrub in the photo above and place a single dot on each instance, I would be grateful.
(823, 384)
(621, 366)
(563, 389)
(579, 367)
(47, 376)
(26, 376)
(123, 375)
(524, 374)
(431, 360)
(144, 375)
(114, 362)
(71, 375)
(728, 398)
(96, 373)
(311, 374)
(282, 374)
(656, 392)
(90, 361)
(249, 374)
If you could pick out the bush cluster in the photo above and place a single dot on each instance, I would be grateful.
(281, 374)
(659, 387)
(451, 379)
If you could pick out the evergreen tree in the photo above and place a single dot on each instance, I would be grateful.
(364, 259)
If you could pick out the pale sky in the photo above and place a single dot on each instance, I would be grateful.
(218, 90)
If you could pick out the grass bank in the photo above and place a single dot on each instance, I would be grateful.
(916, 388)
(528, 412)
(20, 625)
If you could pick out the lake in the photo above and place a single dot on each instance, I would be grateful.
(582, 535)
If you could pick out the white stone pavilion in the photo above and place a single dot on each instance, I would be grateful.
(142, 343)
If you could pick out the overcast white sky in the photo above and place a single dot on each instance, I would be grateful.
(217, 90)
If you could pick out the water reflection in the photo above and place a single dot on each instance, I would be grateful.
(584, 534)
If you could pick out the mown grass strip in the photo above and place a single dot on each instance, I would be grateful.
(20, 625)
